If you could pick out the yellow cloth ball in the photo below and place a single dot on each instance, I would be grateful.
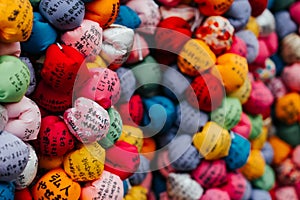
(243, 92)
(16, 20)
(195, 57)
(86, 163)
(104, 12)
(96, 63)
(255, 166)
(132, 135)
(259, 142)
(213, 142)
(233, 69)
(287, 108)
(253, 26)
(136, 192)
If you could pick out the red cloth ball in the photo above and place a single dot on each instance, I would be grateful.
(273, 190)
(164, 57)
(122, 159)
(206, 92)
(258, 6)
(114, 67)
(61, 65)
(132, 112)
(51, 100)
(171, 34)
(213, 7)
(54, 138)
(23, 194)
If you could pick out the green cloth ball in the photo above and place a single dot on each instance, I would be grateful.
(14, 79)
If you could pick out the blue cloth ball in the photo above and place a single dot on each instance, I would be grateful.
(175, 83)
(238, 153)
(32, 83)
(42, 36)
(279, 63)
(284, 24)
(63, 15)
(190, 119)
(260, 194)
(128, 17)
(160, 114)
(158, 184)
(126, 186)
(238, 14)
(252, 44)
(268, 152)
(164, 139)
(182, 154)
(7, 190)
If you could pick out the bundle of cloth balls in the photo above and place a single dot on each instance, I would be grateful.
(149, 99)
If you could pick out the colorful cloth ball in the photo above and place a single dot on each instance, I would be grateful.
(219, 144)
(181, 186)
(217, 32)
(195, 57)
(103, 87)
(115, 162)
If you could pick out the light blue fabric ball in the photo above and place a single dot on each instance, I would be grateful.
(238, 153)
(182, 154)
(284, 24)
(268, 152)
(128, 17)
(238, 14)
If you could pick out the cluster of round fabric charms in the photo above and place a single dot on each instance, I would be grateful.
(150, 99)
